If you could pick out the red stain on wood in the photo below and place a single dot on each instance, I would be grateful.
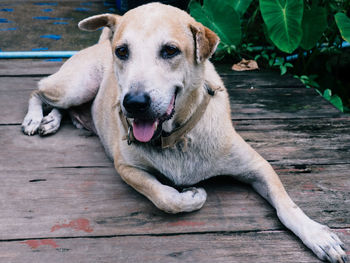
(34, 244)
(80, 224)
(308, 186)
(344, 231)
(186, 223)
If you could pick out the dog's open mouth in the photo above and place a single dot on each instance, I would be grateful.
(145, 130)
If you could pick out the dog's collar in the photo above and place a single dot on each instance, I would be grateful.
(169, 139)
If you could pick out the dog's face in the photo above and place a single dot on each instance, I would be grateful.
(159, 52)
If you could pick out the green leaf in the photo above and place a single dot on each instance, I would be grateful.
(327, 94)
(283, 21)
(313, 83)
(337, 102)
(343, 23)
(241, 6)
(219, 17)
(334, 99)
(283, 70)
(313, 25)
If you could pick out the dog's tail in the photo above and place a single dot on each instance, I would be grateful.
(105, 35)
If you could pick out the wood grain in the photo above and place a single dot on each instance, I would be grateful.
(207, 248)
(71, 202)
(28, 67)
(296, 142)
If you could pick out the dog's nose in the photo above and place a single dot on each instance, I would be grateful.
(136, 103)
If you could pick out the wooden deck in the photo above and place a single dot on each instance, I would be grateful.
(62, 201)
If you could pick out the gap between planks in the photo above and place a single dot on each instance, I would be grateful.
(218, 233)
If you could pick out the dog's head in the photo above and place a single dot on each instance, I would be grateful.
(159, 54)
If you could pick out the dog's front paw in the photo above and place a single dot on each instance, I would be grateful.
(50, 123)
(172, 201)
(325, 244)
(31, 123)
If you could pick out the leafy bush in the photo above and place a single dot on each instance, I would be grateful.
(293, 35)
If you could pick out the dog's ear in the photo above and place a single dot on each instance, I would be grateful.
(95, 22)
(205, 41)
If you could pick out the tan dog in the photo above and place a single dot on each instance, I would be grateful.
(160, 108)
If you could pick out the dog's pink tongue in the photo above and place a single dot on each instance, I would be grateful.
(143, 130)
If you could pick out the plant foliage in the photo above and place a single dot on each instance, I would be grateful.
(301, 36)
(313, 25)
(343, 23)
(283, 21)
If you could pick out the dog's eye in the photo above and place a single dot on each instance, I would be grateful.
(122, 52)
(168, 52)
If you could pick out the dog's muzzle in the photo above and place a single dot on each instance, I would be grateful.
(137, 105)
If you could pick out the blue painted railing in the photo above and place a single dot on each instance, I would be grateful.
(36, 54)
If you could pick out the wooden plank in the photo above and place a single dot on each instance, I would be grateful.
(294, 142)
(299, 141)
(13, 106)
(69, 147)
(278, 103)
(263, 247)
(246, 103)
(71, 202)
(15, 84)
(252, 79)
(28, 67)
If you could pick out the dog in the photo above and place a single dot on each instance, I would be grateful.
(150, 93)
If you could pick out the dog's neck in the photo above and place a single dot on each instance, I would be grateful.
(184, 109)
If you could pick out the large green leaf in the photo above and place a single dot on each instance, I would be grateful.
(313, 25)
(343, 23)
(219, 17)
(283, 20)
(241, 6)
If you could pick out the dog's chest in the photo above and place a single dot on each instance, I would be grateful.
(183, 165)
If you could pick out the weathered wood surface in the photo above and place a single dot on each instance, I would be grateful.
(207, 248)
(28, 67)
(62, 201)
(296, 142)
(72, 202)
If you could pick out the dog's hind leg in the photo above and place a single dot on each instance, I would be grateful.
(51, 122)
(76, 83)
(32, 120)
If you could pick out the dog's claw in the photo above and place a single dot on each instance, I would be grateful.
(326, 245)
(50, 123)
(30, 125)
(192, 189)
